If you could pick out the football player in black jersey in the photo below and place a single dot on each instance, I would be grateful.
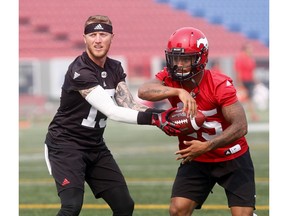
(75, 150)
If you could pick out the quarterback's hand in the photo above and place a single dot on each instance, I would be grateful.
(160, 120)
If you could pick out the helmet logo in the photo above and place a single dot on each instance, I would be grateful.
(203, 41)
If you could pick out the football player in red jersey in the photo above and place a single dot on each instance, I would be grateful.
(218, 152)
(75, 150)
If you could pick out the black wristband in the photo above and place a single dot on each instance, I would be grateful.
(144, 118)
(154, 110)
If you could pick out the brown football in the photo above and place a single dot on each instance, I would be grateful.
(188, 125)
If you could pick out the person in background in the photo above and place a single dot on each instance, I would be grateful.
(216, 153)
(244, 66)
(75, 150)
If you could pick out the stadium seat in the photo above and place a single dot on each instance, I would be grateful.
(236, 16)
(54, 28)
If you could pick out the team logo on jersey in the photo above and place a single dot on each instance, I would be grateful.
(99, 27)
(103, 74)
(203, 41)
(76, 75)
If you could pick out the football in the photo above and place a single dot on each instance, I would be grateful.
(188, 125)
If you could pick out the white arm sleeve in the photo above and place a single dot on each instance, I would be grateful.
(101, 101)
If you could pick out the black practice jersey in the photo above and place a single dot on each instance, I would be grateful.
(77, 124)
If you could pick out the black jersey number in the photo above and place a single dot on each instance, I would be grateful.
(90, 121)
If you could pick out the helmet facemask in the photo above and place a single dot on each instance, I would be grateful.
(183, 66)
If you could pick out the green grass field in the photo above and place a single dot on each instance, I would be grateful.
(146, 157)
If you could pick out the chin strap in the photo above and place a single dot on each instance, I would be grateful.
(176, 67)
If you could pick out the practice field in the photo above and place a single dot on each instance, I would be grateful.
(146, 156)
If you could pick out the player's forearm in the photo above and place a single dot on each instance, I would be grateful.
(230, 135)
(124, 98)
(156, 92)
(236, 116)
(101, 101)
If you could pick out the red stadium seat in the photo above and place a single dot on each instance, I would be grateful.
(141, 28)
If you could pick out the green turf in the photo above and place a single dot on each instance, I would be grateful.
(146, 157)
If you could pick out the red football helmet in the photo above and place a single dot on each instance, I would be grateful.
(186, 44)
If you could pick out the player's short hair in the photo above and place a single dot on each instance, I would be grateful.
(98, 19)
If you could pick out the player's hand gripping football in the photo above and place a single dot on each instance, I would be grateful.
(160, 120)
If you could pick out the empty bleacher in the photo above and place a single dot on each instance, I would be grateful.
(248, 17)
(54, 28)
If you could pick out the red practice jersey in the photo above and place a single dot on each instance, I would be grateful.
(245, 66)
(215, 91)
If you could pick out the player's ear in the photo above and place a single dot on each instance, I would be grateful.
(84, 38)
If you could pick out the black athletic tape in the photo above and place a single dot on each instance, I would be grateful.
(144, 118)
